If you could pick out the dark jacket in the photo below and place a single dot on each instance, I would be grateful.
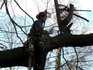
(37, 28)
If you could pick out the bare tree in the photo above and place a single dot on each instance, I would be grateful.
(64, 38)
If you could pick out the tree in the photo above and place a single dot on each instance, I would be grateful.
(19, 56)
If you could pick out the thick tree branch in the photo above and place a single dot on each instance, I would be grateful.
(14, 57)
(70, 40)
(19, 56)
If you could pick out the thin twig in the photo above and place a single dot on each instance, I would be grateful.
(76, 58)
(65, 59)
(23, 10)
(3, 46)
(7, 11)
(67, 9)
(17, 34)
(2, 5)
(81, 17)
(13, 22)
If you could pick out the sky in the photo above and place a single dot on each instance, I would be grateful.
(86, 4)
(32, 7)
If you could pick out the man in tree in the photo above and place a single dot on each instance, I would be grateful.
(35, 37)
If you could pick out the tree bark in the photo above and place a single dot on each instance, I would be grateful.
(70, 40)
(64, 23)
(14, 57)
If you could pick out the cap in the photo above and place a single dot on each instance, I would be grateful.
(41, 14)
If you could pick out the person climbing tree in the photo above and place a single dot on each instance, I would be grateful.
(36, 39)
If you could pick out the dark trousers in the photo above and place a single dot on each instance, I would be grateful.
(39, 56)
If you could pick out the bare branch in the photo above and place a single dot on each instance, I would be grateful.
(70, 40)
(66, 21)
(23, 10)
(65, 59)
(7, 11)
(13, 22)
(76, 58)
(2, 5)
(81, 17)
(67, 9)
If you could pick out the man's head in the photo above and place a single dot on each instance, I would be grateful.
(41, 16)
